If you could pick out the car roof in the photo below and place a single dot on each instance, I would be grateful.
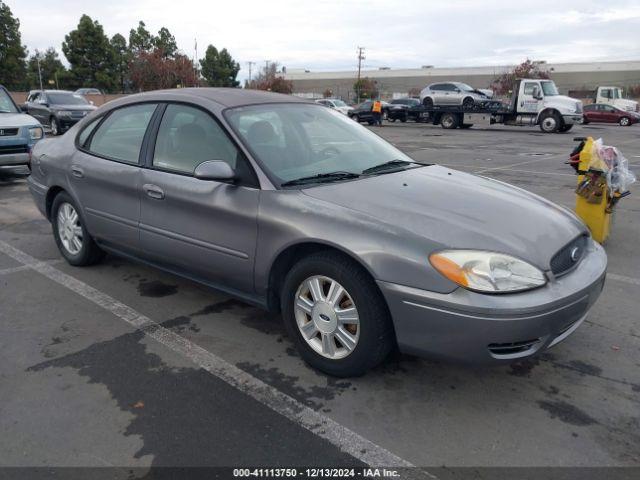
(228, 97)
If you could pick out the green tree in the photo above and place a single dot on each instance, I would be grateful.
(12, 52)
(365, 88)
(90, 55)
(51, 68)
(165, 42)
(140, 39)
(219, 68)
(121, 58)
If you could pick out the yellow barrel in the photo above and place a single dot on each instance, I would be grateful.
(594, 215)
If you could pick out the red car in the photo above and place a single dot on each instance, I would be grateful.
(601, 113)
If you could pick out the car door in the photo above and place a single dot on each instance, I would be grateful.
(437, 93)
(203, 228)
(35, 107)
(611, 114)
(105, 174)
(527, 102)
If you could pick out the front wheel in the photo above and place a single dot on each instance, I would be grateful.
(335, 315)
(624, 122)
(550, 122)
(566, 128)
(71, 236)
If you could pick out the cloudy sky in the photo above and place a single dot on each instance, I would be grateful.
(324, 34)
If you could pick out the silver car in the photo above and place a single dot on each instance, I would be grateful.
(453, 93)
(293, 207)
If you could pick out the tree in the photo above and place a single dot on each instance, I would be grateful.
(219, 69)
(90, 55)
(121, 58)
(52, 70)
(165, 42)
(365, 88)
(505, 83)
(152, 71)
(140, 40)
(327, 93)
(12, 52)
(269, 79)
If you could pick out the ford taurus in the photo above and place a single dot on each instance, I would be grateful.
(291, 206)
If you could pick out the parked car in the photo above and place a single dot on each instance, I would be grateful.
(57, 109)
(88, 91)
(18, 132)
(362, 112)
(336, 104)
(601, 113)
(454, 93)
(399, 108)
(293, 207)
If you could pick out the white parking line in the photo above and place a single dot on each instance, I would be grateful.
(22, 268)
(342, 437)
(623, 278)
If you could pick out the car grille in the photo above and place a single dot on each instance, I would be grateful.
(569, 256)
(13, 149)
(8, 132)
(504, 349)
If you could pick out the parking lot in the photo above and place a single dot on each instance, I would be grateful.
(121, 364)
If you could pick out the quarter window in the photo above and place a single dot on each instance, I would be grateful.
(187, 137)
(120, 135)
(84, 135)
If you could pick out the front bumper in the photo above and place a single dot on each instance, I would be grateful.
(14, 159)
(570, 119)
(67, 122)
(491, 329)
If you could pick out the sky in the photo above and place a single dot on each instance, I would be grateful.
(323, 35)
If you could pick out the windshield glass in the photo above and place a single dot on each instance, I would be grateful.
(464, 87)
(6, 104)
(300, 140)
(339, 103)
(66, 99)
(549, 89)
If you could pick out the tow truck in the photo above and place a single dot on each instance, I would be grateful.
(533, 102)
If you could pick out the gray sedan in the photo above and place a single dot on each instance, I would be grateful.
(293, 207)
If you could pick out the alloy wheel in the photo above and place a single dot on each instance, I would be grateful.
(70, 229)
(327, 317)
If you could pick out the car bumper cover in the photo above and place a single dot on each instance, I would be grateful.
(493, 329)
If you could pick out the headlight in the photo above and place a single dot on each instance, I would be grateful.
(64, 113)
(487, 271)
(35, 133)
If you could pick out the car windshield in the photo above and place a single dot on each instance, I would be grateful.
(549, 89)
(66, 99)
(294, 141)
(339, 103)
(6, 103)
(464, 87)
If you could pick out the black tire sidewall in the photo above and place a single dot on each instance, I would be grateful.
(372, 310)
(85, 255)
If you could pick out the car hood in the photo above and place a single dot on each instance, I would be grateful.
(459, 210)
(626, 104)
(75, 108)
(17, 120)
(564, 104)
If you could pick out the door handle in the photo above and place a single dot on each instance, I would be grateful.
(77, 171)
(153, 191)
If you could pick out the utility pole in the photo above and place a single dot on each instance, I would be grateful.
(361, 57)
(39, 72)
(250, 65)
(195, 64)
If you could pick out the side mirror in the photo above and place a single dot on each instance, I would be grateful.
(215, 170)
(536, 93)
(24, 108)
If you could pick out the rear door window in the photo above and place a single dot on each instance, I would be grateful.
(120, 135)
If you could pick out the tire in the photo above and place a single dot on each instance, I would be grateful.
(404, 119)
(373, 334)
(88, 253)
(566, 128)
(55, 126)
(550, 122)
(466, 125)
(585, 121)
(392, 120)
(356, 117)
(449, 121)
(427, 102)
(468, 103)
(370, 122)
(624, 122)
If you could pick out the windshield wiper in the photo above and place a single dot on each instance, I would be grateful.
(321, 178)
(391, 165)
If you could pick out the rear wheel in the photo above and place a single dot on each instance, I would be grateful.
(71, 236)
(335, 315)
(625, 122)
(468, 103)
(449, 121)
(428, 102)
(550, 122)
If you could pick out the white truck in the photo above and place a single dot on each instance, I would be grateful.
(533, 102)
(613, 96)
